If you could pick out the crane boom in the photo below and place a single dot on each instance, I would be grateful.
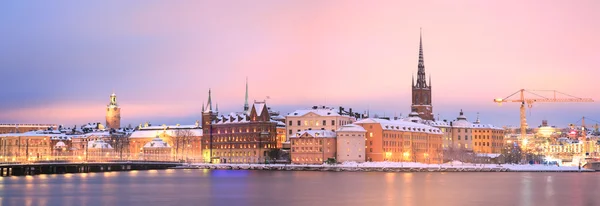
(529, 103)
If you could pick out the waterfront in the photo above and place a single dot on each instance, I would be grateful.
(242, 187)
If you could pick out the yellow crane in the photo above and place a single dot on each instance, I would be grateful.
(539, 98)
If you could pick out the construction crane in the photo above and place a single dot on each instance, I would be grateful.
(528, 102)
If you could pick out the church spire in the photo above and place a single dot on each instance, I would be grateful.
(202, 106)
(246, 107)
(209, 104)
(421, 81)
(413, 80)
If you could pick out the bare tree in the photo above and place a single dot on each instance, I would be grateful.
(180, 139)
(120, 143)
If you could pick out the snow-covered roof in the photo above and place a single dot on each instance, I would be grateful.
(321, 111)
(485, 126)
(437, 123)
(157, 143)
(60, 144)
(99, 144)
(400, 125)
(315, 134)
(351, 128)
(147, 133)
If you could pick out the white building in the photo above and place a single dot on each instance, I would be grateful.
(316, 118)
(351, 143)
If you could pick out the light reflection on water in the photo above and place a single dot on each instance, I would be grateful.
(234, 187)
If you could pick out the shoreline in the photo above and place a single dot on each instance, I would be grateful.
(381, 167)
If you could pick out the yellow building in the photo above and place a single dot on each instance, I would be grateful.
(185, 140)
(28, 146)
(402, 141)
(487, 139)
(157, 150)
(313, 146)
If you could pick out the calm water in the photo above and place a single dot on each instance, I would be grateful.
(225, 187)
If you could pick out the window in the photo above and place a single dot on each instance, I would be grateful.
(324, 123)
(370, 134)
(332, 122)
(466, 137)
(290, 132)
(290, 123)
(458, 137)
(299, 123)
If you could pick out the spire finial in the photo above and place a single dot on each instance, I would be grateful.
(246, 107)
(209, 104)
(413, 80)
(202, 106)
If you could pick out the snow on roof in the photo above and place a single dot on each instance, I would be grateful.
(169, 127)
(437, 123)
(152, 133)
(99, 144)
(321, 111)
(157, 143)
(461, 123)
(400, 125)
(316, 134)
(484, 126)
(351, 128)
(60, 144)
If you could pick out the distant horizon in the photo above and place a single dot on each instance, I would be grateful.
(62, 60)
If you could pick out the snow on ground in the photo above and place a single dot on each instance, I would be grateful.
(454, 164)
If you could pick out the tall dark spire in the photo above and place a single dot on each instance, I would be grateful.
(246, 107)
(421, 81)
(209, 104)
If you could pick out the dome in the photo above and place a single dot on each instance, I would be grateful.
(60, 144)
(157, 143)
(351, 128)
(99, 144)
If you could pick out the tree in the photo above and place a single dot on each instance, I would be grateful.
(512, 153)
(120, 143)
(180, 140)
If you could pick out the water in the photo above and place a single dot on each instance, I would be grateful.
(234, 187)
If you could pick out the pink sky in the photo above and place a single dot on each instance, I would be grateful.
(161, 57)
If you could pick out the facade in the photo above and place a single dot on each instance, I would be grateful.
(421, 90)
(157, 150)
(316, 118)
(487, 139)
(313, 146)
(21, 128)
(113, 113)
(401, 141)
(351, 143)
(246, 137)
(28, 146)
(462, 133)
(185, 141)
(99, 150)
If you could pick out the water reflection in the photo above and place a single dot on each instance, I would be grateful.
(233, 187)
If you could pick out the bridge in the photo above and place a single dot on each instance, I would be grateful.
(19, 169)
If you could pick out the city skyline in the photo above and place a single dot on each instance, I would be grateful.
(161, 59)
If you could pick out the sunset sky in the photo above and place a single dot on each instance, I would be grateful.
(60, 60)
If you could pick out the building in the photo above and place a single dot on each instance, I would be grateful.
(421, 90)
(316, 118)
(487, 139)
(462, 133)
(246, 137)
(99, 150)
(28, 146)
(185, 141)
(113, 113)
(157, 150)
(351, 143)
(313, 146)
(401, 141)
(21, 128)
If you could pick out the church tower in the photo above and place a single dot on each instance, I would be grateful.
(421, 91)
(113, 113)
